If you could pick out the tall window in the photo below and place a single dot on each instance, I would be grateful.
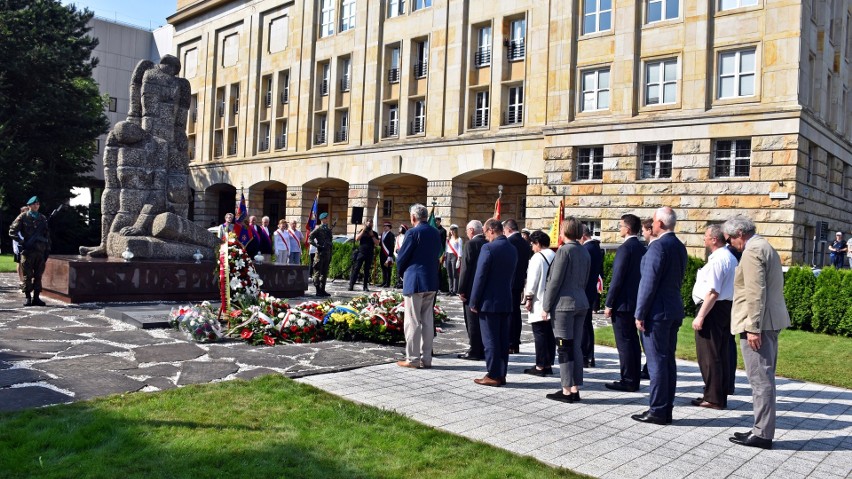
(731, 4)
(594, 227)
(597, 16)
(392, 125)
(421, 65)
(387, 208)
(483, 47)
(517, 36)
(481, 110)
(418, 123)
(342, 133)
(661, 82)
(733, 158)
(736, 73)
(285, 87)
(590, 163)
(393, 71)
(419, 4)
(264, 137)
(345, 76)
(515, 109)
(347, 15)
(813, 151)
(657, 161)
(326, 77)
(281, 139)
(595, 90)
(327, 18)
(396, 8)
(663, 10)
(322, 130)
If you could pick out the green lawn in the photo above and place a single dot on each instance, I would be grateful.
(268, 427)
(7, 265)
(801, 355)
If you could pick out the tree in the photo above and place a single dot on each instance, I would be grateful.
(50, 109)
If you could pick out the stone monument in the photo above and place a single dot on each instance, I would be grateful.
(145, 202)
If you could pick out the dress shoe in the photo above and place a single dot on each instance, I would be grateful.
(324, 294)
(561, 397)
(620, 386)
(575, 396)
(644, 374)
(350, 288)
(650, 418)
(38, 302)
(752, 441)
(366, 289)
(487, 381)
(548, 370)
(535, 372)
(470, 357)
(28, 302)
(742, 435)
(697, 401)
(408, 364)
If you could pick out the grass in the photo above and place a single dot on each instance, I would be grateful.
(7, 264)
(268, 427)
(802, 355)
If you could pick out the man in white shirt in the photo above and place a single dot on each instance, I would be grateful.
(713, 294)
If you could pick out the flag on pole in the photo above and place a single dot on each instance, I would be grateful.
(376, 216)
(244, 234)
(556, 227)
(431, 219)
(497, 209)
(312, 218)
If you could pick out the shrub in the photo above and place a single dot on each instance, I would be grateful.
(341, 260)
(844, 327)
(606, 273)
(692, 266)
(799, 285)
(830, 301)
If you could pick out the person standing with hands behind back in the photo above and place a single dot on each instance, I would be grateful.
(31, 230)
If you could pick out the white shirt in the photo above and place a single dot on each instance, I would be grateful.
(718, 275)
(849, 248)
(294, 240)
(457, 244)
(537, 280)
(279, 239)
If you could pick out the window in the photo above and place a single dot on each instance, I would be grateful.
(264, 137)
(597, 16)
(393, 71)
(217, 144)
(595, 90)
(278, 32)
(483, 47)
(322, 130)
(387, 208)
(736, 74)
(347, 15)
(396, 8)
(113, 104)
(346, 70)
(421, 65)
(418, 123)
(281, 139)
(285, 87)
(661, 82)
(392, 124)
(662, 10)
(267, 95)
(481, 110)
(517, 32)
(190, 63)
(733, 158)
(656, 161)
(594, 227)
(421, 4)
(590, 163)
(326, 76)
(515, 108)
(327, 18)
(342, 133)
(731, 4)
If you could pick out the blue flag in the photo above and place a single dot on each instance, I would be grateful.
(243, 232)
(312, 218)
(242, 211)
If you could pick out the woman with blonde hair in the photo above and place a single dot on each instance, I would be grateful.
(452, 258)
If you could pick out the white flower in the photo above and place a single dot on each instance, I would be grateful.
(300, 322)
(235, 283)
(205, 304)
(281, 315)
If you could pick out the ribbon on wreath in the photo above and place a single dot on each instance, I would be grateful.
(224, 281)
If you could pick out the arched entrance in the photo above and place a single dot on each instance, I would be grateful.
(332, 196)
(219, 199)
(397, 193)
(268, 198)
(482, 188)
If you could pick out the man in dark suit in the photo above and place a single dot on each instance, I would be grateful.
(659, 314)
(492, 299)
(386, 244)
(593, 246)
(470, 256)
(367, 240)
(621, 303)
(443, 235)
(416, 264)
(264, 237)
(524, 250)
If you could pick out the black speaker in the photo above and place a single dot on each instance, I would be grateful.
(357, 215)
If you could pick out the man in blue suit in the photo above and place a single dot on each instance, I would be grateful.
(659, 314)
(416, 264)
(621, 303)
(492, 299)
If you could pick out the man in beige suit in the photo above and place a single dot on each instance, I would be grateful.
(758, 315)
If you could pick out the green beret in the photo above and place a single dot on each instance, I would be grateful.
(33, 200)
(323, 216)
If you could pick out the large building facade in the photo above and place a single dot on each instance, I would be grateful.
(715, 108)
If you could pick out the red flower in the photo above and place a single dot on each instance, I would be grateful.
(246, 334)
(297, 340)
(235, 313)
(269, 340)
(283, 335)
(294, 328)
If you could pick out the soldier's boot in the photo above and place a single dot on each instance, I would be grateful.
(29, 301)
(36, 300)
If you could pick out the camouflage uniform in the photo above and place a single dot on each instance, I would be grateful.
(321, 238)
(35, 248)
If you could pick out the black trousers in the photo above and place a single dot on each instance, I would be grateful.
(732, 364)
(588, 343)
(516, 324)
(627, 343)
(545, 343)
(387, 269)
(366, 260)
(474, 335)
(712, 345)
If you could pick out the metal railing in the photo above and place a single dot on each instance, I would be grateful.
(319, 139)
(391, 130)
(421, 69)
(220, 109)
(232, 149)
(217, 150)
(516, 50)
(324, 88)
(268, 99)
(341, 135)
(479, 120)
(482, 57)
(393, 75)
(264, 145)
(281, 142)
(345, 84)
(417, 126)
(285, 97)
(236, 106)
(514, 116)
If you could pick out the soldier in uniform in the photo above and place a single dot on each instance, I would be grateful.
(34, 242)
(321, 238)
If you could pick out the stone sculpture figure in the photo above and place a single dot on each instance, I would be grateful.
(145, 202)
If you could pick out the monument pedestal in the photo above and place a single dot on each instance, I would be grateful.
(80, 279)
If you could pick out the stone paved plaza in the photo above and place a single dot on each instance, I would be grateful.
(63, 353)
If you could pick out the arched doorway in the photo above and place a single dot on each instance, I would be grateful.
(483, 189)
(397, 193)
(268, 198)
(219, 199)
(332, 195)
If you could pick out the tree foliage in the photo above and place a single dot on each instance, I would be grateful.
(799, 285)
(50, 108)
(830, 301)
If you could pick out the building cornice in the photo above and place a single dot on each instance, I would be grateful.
(194, 10)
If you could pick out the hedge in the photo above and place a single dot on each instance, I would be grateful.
(341, 266)
(822, 304)
(799, 285)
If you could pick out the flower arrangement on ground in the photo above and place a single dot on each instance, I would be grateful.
(200, 322)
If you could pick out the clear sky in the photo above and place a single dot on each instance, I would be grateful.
(144, 13)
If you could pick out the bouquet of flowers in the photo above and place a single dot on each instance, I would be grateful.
(299, 327)
(200, 322)
(380, 325)
(242, 280)
(284, 326)
(313, 308)
(339, 321)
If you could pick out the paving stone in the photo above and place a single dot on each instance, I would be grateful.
(84, 349)
(163, 384)
(9, 377)
(344, 358)
(5, 365)
(159, 370)
(43, 320)
(98, 322)
(254, 373)
(133, 337)
(18, 399)
(20, 345)
(86, 385)
(266, 357)
(166, 353)
(92, 365)
(198, 372)
(39, 334)
(85, 329)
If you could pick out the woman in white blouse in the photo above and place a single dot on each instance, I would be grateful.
(452, 258)
(545, 342)
(400, 238)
